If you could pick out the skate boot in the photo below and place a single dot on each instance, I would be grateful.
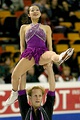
(65, 55)
(13, 97)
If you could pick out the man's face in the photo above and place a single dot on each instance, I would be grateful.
(36, 98)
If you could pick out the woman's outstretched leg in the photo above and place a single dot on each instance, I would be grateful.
(21, 68)
(50, 56)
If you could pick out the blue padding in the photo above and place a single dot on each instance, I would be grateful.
(75, 116)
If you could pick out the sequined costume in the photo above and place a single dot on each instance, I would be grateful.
(36, 43)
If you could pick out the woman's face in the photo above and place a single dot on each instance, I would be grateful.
(34, 12)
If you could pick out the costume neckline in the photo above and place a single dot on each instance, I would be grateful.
(32, 24)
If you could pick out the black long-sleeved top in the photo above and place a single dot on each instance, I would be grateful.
(48, 106)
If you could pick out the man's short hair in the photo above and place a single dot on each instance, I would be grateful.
(29, 91)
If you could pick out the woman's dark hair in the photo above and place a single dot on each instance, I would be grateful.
(25, 19)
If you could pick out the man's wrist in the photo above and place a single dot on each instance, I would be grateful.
(51, 93)
(21, 92)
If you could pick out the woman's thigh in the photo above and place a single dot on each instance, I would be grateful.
(23, 66)
(46, 57)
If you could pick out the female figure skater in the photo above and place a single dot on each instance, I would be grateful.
(35, 35)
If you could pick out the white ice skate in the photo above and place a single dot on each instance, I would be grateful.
(13, 97)
(66, 55)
